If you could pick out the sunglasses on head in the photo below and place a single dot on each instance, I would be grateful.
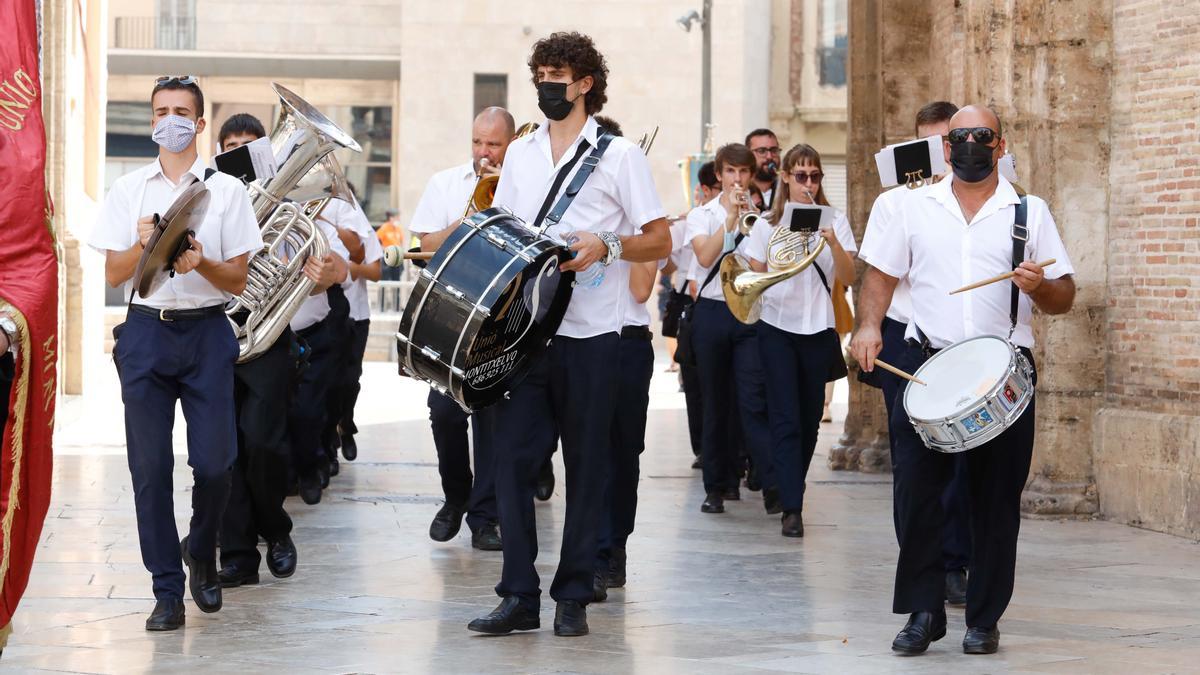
(803, 177)
(181, 79)
(982, 135)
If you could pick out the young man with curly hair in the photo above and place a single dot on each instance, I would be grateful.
(616, 215)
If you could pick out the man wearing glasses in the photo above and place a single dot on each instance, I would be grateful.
(765, 146)
(177, 345)
(958, 230)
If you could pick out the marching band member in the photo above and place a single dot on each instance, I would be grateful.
(437, 215)
(942, 236)
(727, 351)
(262, 389)
(765, 146)
(796, 336)
(574, 386)
(932, 119)
(682, 260)
(354, 228)
(346, 242)
(176, 345)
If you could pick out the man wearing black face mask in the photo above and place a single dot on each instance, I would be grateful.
(615, 215)
(961, 230)
(765, 146)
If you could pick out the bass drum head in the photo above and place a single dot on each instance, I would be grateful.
(522, 320)
(957, 378)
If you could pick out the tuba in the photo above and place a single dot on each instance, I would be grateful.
(286, 206)
(788, 254)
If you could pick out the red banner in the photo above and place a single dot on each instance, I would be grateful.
(28, 294)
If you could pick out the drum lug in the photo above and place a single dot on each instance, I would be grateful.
(432, 354)
(496, 240)
(454, 291)
(426, 274)
(457, 372)
(401, 337)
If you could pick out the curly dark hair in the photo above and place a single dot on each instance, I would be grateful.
(577, 52)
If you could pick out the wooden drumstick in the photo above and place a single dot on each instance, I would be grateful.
(999, 277)
(419, 255)
(393, 256)
(897, 372)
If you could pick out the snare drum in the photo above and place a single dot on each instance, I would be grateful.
(973, 391)
(484, 308)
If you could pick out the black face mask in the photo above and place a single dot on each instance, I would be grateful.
(972, 161)
(552, 99)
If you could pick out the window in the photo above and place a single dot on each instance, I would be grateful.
(831, 50)
(370, 172)
(490, 90)
(176, 24)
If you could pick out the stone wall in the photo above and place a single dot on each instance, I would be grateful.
(1147, 453)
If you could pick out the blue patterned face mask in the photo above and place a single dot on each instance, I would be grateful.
(174, 133)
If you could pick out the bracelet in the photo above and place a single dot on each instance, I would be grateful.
(615, 248)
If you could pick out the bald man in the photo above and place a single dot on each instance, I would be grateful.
(970, 227)
(435, 218)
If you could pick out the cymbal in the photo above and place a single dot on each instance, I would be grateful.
(169, 239)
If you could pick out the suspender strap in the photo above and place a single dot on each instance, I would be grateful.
(1020, 235)
(576, 184)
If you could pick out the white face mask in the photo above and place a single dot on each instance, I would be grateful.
(174, 133)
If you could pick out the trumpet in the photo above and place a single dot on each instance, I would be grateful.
(747, 216)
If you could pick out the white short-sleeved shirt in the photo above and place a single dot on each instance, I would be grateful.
(703, 221)
(930, 242)
(618, 197)
(444, 199)
(801, 304)
(316, 307)
(681, 252)
(229, 228)
(882, 212)
(351, 216)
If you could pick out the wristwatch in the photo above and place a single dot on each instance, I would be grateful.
(613, 242)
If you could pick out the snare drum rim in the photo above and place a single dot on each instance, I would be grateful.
(975, 402)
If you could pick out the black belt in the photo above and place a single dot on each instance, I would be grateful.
(308, 331)
(179, 314)
(636, 333)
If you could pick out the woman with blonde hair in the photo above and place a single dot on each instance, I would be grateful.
(797, 335)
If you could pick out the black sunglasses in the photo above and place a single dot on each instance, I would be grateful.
(982, 135)
(181, 79)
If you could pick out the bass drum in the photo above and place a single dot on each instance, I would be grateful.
(484, 308)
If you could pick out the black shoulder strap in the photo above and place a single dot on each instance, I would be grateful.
(576, 184)
(558, 181)
(209, 173)
(717, 265)
(1020, 235)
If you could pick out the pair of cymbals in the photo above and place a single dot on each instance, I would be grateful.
(170, 238)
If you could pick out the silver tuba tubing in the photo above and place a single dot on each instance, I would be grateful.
(287, 206)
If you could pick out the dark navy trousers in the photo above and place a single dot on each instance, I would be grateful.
(572, 388)
(628, 442)
(956, 528)
(360, 331)
(341, 334)
(159, 363)
(799, 368)
(462, 488)
(308, 410)
(262, 393)
(731, 385)
(689, 379)
(996, 475)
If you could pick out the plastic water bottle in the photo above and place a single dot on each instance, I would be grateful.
(591, 277)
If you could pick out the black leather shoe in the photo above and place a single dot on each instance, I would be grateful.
(713, 503)
(956, 587)
(599, 587)
(281, 557)
(922, 629)
(793, 524)
(510, 615)
(349, 447)
(167, 615)
(335, 467)
(310, 487)
(446, 523)
(697, 464)
(487, 538)
(323, 468)
(545, 482)
(981, 640)
(771, 501)
(616, 568)
(570, 619)
(753, 484)
(732, 494)
(232, 577)
(203, 581)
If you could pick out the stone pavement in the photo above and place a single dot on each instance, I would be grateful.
(706, 593)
